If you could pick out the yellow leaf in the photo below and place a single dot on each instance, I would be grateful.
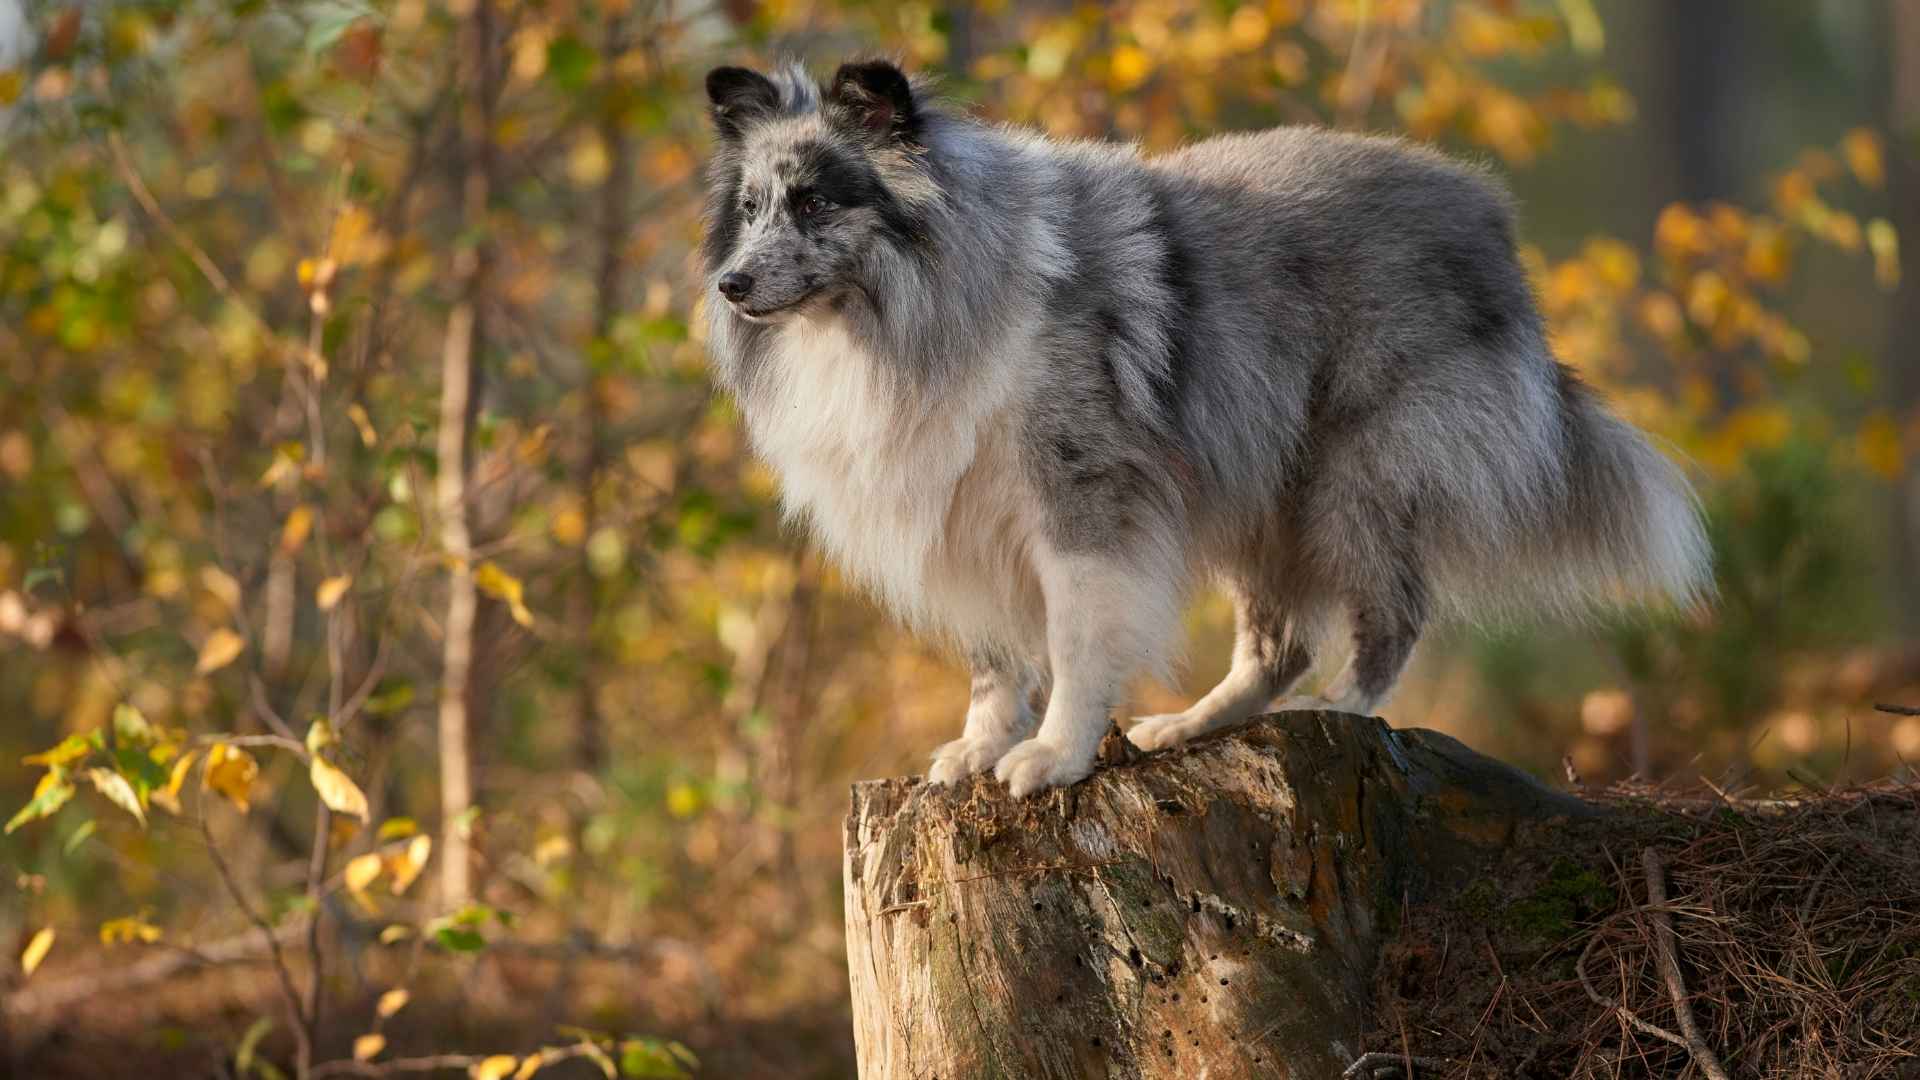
(497, 1067)
(368, 1046)
(394, 933)
(35, 951)
(230, 771)
(364, 424)
(533, 1064)
(118, 791)
(293, 535)
(337, 789)
(319, 735)
(128, 929)
(169, 796)
(497, 583)
(398, 828)
(1128, 67)
(222, 585)
(588, 163)
(1884, 241)
(362, 871)
(552, 850)
(331, 590)
(1861, 148)
(391, 1002)
(355, 240)
(221, 648)
(404, 867)
(1880, 447)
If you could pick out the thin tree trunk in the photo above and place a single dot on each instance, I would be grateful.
(1901, 362)
(459, 369)
(609, 284)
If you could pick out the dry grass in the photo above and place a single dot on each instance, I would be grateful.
(1795, 941)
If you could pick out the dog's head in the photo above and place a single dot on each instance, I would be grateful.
(807, 178)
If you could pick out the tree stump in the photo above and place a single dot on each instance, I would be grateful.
(1210, 911)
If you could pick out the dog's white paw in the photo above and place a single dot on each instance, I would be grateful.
(1036, 765)
(1160, 732)
(964, 757)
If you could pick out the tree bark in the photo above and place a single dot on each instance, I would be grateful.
(459, 375)
(1211, 911)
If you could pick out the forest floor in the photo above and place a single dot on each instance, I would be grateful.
(188, 1025)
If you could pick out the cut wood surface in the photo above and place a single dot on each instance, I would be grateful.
(1210, 911)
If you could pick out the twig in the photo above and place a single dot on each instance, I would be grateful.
(548, 1056)
(1696, 1044)
(1898, 710)
(1409, 1065)
(1626, 1015)
(302, 1030)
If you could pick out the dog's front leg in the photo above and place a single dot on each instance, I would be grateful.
(1108, 617)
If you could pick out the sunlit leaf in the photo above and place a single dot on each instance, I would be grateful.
(391, 1002)
(244, 1052)
(118, 791)
(395, 932)
(359, 874)
(320, 735)
(404, 868)
(79, 836)
(130, 724)
(230, 771)
(299, 524)
(167, 796)
(67, 751)
(49, 796)
(652, 1059)
(363, 424)
(128, 929)
(221, 648)
(497, 583)
(337, 789)
(367, 1047)
(36, 951)
(396, 828)
(497, 1067)
(329, 592)
(1884, 241)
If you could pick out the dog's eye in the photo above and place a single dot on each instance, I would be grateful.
(814, 205)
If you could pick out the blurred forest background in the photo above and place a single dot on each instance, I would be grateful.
(412, 661)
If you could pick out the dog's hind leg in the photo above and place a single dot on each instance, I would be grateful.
(1387, 621)
(1269, 656)
(999, 716)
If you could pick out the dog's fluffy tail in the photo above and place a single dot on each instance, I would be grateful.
(1630, 524)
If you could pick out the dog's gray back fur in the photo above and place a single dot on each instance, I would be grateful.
(1305, 361)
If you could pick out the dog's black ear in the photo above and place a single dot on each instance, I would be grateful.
(873, 96)
(740, 97)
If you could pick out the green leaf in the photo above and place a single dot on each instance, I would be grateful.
(570, 62)
(244, 1061)
(131, 724)
(331, 20)
(459, 939)
(52, 794)
(80, 835)
(40, 575)
(652, 1059)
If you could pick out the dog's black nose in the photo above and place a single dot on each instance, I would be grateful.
(736, 285)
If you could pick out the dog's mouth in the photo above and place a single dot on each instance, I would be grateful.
(753, 314)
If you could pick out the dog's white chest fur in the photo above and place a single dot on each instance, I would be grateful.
(919, 502)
